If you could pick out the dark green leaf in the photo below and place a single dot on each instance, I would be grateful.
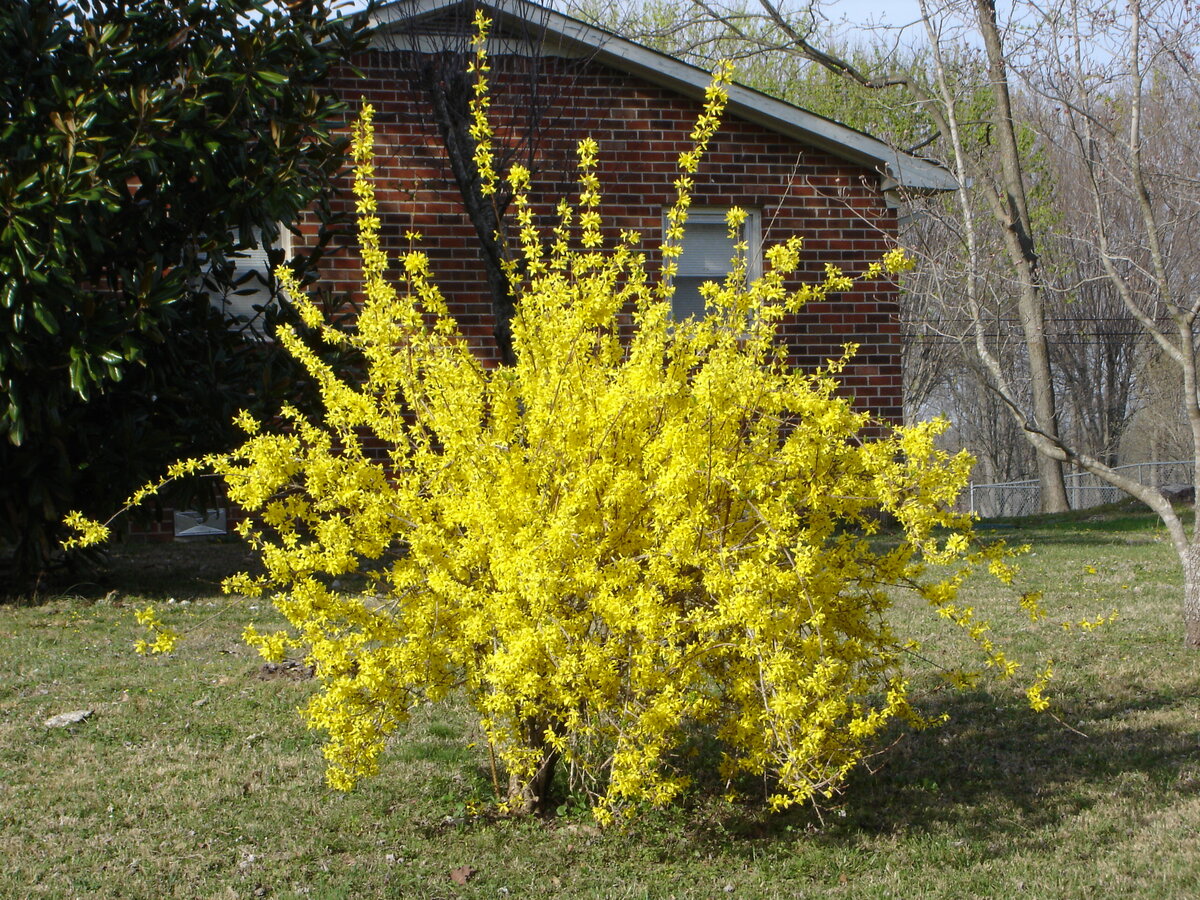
(115, 151)
(45, 318)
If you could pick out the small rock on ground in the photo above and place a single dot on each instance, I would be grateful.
(62, 720)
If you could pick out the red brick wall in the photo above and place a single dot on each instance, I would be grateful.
(641, 129)
(150, 526)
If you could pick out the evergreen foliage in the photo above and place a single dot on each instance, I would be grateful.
(142, 144)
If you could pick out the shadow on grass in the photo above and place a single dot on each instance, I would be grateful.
(1041, 539)
(997, 773)
(1113, 519)
(183, 570)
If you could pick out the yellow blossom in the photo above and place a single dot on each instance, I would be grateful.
(641, 528)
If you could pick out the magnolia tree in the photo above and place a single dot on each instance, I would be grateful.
(643, 530)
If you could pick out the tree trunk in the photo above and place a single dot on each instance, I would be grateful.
(449, 87)
(1013, 214)
(1191, 596)
(534, 795)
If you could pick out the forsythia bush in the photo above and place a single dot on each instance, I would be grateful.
(643, 530)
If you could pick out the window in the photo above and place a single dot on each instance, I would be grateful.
(708, 256)
(251, 282)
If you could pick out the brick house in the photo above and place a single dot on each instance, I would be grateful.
(555, 80)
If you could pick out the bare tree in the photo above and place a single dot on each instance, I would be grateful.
(1118, 109)
(997, 176)
(1120, 98)
(1143, 209)
(1100, 351)
(943, 373)
(1140, 215)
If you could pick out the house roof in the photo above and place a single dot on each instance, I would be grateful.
(572, 36)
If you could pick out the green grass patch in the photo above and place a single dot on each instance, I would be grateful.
(1121, 517)
(195, 776)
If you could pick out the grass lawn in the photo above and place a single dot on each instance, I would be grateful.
(195, 777)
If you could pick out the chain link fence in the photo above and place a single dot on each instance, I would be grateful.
(1084, 490)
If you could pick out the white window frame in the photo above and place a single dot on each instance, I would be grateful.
(710, 270)
(252, 264)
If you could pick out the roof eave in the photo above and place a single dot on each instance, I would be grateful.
(897, 169)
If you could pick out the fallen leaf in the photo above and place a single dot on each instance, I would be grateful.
(462, 874)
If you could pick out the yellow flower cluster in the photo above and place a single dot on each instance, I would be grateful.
(86, 532)
(1035, 692)
(632, 535)
(612, 543)
(1090, 624)
(165, 638)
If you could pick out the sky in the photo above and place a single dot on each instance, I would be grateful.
(855, 12)
(902, 17)
(850, 17)
(886, 12)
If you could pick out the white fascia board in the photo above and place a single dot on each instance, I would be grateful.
(575, 38)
